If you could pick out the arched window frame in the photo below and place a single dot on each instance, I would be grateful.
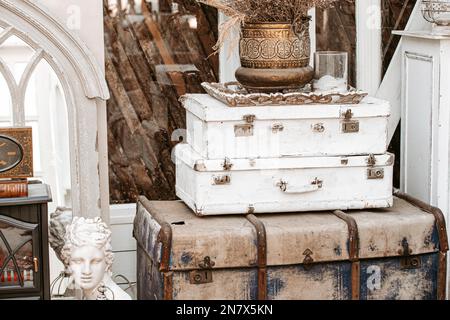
(85, 91)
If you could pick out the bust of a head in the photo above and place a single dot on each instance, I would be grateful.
(88, 257)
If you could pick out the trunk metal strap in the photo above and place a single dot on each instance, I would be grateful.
(353, 251)
(443, 239)
(261, 239)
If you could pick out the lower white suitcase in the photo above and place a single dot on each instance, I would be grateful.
(241, 186)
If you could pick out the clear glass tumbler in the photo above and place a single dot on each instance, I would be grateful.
(330, 72)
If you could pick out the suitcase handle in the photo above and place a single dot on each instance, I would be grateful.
(285, 187)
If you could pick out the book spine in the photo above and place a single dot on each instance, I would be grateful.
(14, 190)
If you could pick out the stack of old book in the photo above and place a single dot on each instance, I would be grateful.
(264, 184)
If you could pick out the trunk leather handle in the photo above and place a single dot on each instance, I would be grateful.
(285, 187)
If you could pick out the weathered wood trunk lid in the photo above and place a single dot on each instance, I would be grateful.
(395, 253)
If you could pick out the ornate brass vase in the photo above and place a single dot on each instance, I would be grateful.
(273, 57)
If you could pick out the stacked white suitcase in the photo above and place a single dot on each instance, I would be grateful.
(271, 159)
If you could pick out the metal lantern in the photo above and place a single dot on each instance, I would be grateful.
(437, 12)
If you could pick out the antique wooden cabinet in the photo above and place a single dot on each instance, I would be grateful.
(425, 117)
(425, 123)
(24, 262)
(395, 253)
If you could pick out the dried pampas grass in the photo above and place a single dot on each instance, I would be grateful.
(288, 11)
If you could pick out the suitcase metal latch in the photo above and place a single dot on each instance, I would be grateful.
(245, 130)
(308, 261)
(375, 173)
(221, 180)
(349, 125)
(278, 127)
(408, 261)
(205, 274)
(318, 127)
(227, 165)
(371, 160)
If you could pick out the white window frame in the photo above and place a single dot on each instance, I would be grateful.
(85, 89)
(369, 62)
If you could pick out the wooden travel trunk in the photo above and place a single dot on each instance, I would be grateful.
(396, 253)
(290, 184)
(217, 131)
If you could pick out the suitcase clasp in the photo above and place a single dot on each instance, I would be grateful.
(349, 125)
(318, 127)
(227, 165)
(408, 261)
(278, 127)
(308, 261)
(374, 174)
(204, 275)
(371, 160)
(221, 180)
(245, 130)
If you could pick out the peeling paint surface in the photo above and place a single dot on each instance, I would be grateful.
(289, 237)
(384, 279)
(220, 131)
(321, 282)
(232, 284)
(186, 258)
(150, 280)
(147, 229)
(382, 232)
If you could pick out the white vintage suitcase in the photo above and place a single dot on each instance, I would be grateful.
(290, 184)
(217, 131)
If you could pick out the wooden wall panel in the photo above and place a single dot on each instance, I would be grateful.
(152, 58)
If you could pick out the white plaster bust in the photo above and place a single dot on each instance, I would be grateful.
(88, 257)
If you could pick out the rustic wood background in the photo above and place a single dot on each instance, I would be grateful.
(336, 29)
(152, 59)
(395, 15)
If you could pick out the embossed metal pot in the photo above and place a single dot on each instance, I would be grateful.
(273, 57)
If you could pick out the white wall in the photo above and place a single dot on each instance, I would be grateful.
(83, 17)
(390, 88)
(368, 45)
(124, 245)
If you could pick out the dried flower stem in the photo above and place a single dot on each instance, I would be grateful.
(248, 11)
